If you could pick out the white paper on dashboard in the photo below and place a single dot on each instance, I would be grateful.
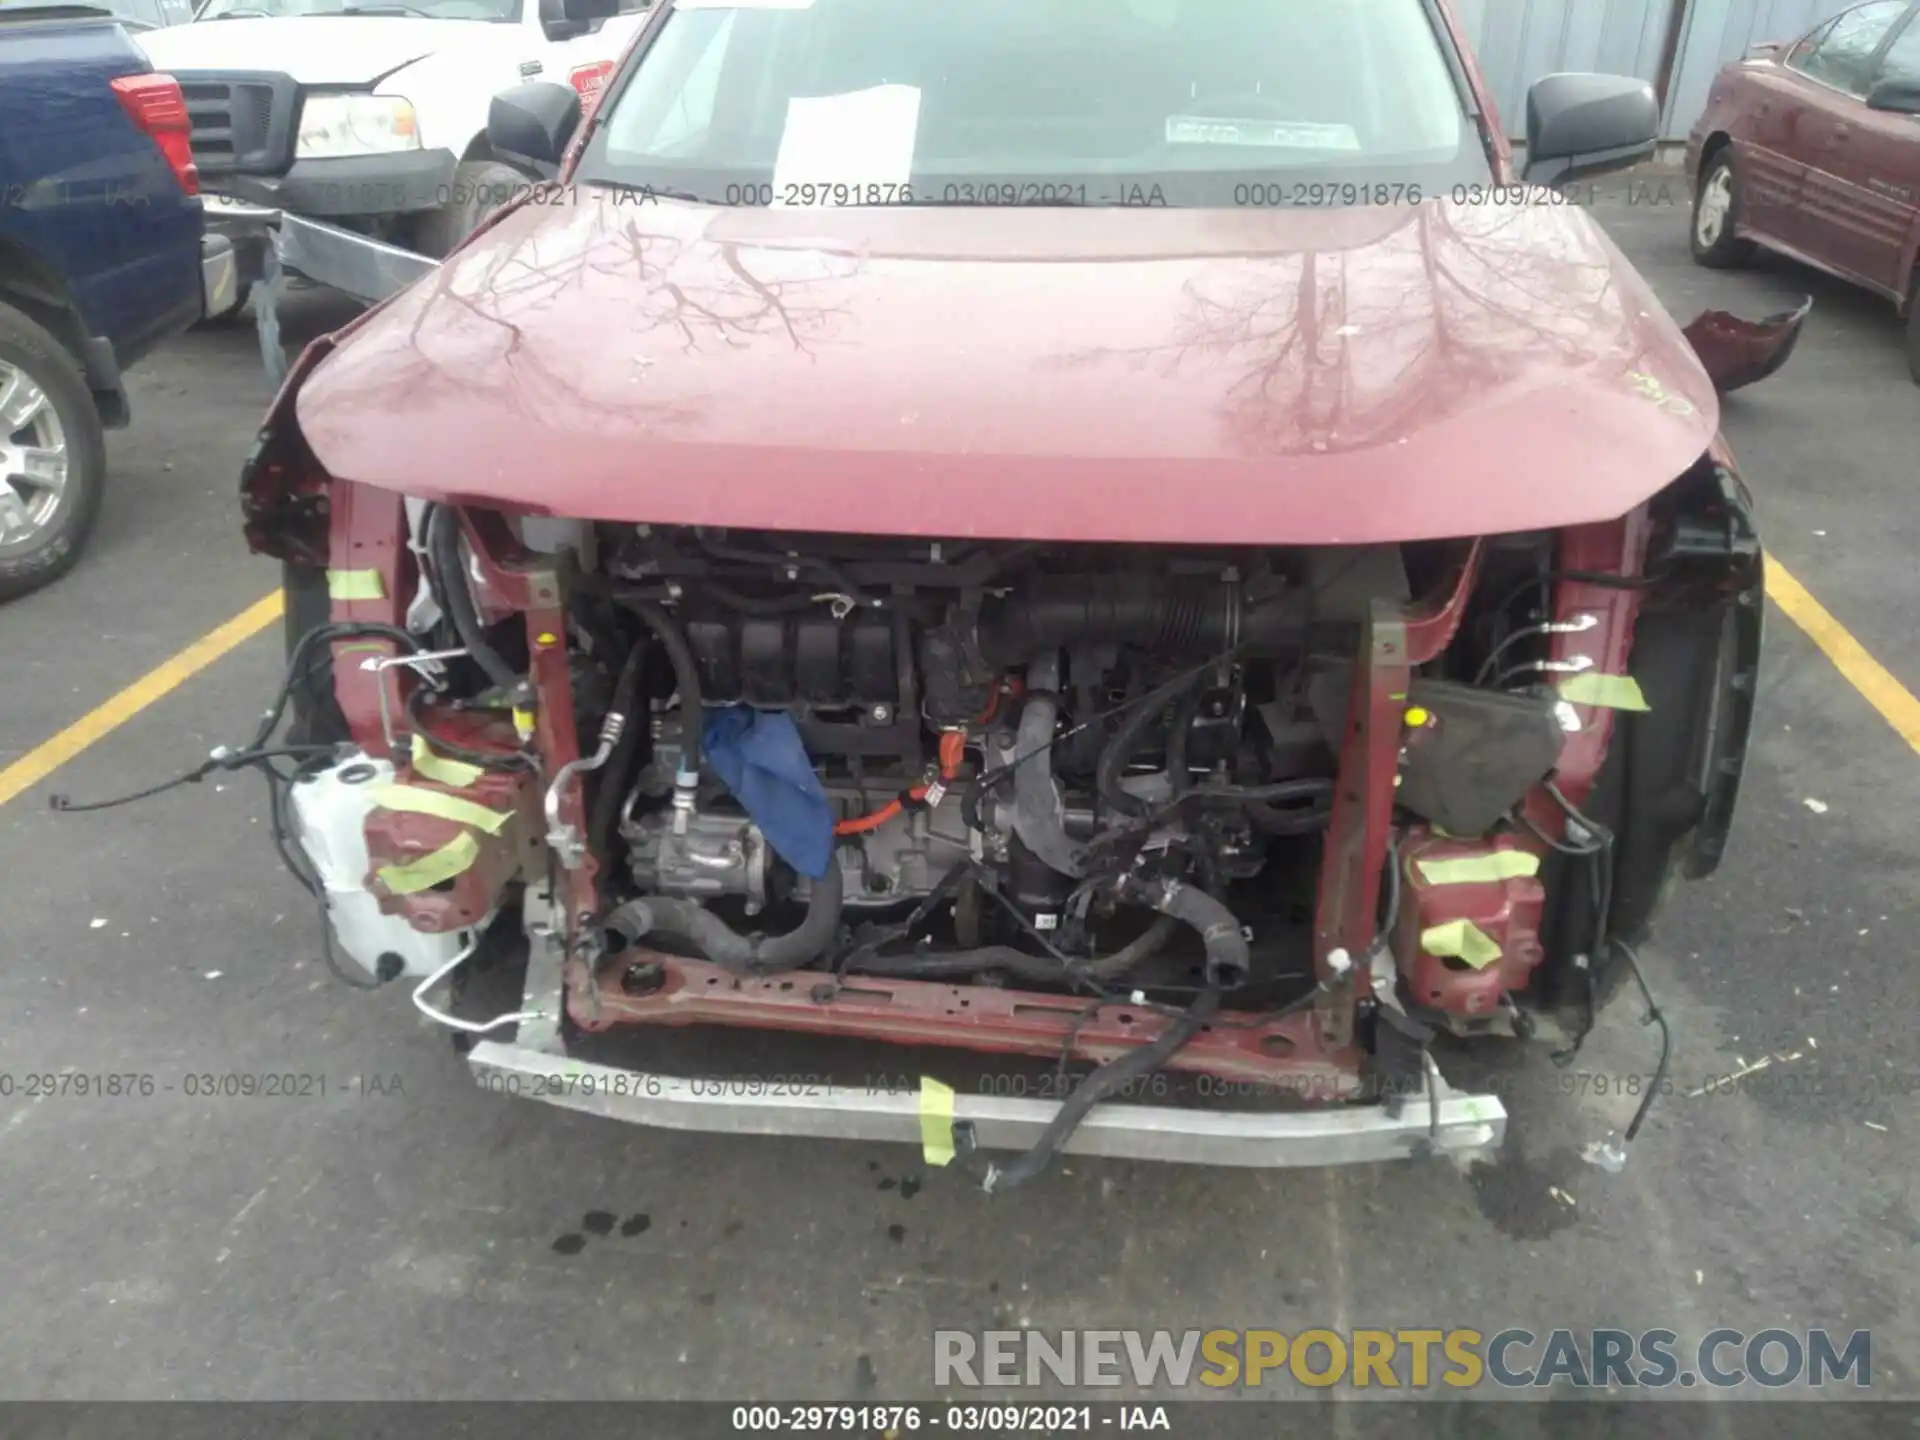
(865, 137)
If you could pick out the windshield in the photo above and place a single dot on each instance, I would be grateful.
(1117, 102)
(429, 9)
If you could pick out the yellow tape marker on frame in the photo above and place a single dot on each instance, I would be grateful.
(1460, 940)
(457, 773)
(936, 1121)
(414, 800)
(1609, 692)
(355, 585)
(1478, 869)
(457, 855)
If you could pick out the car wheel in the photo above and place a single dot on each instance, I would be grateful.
(480, 187)
(53, 457)
(1716, 209)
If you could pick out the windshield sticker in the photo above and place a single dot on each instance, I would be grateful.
(1266, 134)
(834, 144)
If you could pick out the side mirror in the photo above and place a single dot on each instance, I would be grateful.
(1897, 93)
(534, 122)
(1580, 125)
(564, 19)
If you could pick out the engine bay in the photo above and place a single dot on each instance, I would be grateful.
(1277, 814)
(1018, 743)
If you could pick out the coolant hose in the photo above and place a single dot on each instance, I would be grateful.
(686, 677)
(1271, 816)
(1229, 961)
(1039, 814)
(1109, 1079)
(1179, 770)
(1119, 749)
(443, 548)
(749, 955)
(1227, 966)
(1042, 968)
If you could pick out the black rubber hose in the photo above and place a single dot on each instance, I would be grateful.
(1145, 946)
(1179, 772)
(686, 677)
(1228, 964)
(1126, 740)
(1043, 968)
(1169, 617)
(1109, 1079)
(748, 955)
(614, 774)
(1229, 961)
(443, 548)
(945, 964)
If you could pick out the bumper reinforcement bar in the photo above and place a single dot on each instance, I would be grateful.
(1441, 1121)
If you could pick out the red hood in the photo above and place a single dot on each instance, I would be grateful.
(1139, 375)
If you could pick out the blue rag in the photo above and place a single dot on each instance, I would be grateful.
(760, 756)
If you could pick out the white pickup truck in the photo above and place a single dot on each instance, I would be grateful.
(370, 115)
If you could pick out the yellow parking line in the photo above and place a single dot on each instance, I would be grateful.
(41, 761)
(1893, 700)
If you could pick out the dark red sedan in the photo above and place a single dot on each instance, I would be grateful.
(1812, 148)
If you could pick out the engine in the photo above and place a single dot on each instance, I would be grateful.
(1034, 748)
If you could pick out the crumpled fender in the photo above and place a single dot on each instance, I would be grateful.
(1737, 352)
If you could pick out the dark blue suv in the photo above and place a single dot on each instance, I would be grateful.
(103, 255)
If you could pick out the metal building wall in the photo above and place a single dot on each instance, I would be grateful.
(1518, 41)
(1721, 30)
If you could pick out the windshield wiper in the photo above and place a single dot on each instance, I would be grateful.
(379, 10)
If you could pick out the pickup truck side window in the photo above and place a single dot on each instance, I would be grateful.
(1843, 56)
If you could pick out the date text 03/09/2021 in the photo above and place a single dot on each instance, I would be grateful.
(893, 1421)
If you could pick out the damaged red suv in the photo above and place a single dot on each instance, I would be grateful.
(1119, 533)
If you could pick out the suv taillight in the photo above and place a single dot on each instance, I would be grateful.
(158, 108)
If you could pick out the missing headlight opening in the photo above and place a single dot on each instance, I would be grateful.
(1272, 819)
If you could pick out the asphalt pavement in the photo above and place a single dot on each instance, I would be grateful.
(405, 1235)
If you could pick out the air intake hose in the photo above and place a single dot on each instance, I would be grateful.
(1168, 617)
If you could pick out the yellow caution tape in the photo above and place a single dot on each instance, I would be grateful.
(936, 1121)
(355, 585)
(457, 773)
(449, 860)
(415, 800)
(1609, 692)
(1460, 940)
(1478, 869)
